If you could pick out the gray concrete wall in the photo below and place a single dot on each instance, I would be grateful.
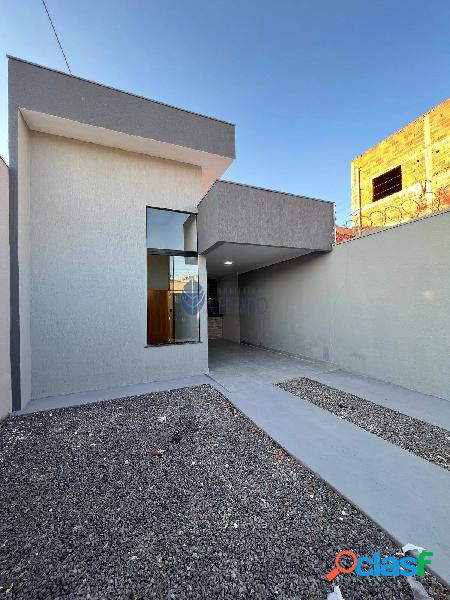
(243, 214)
(89, 266)
(228, 294)
(24, 254)
(52, 92)
(83, 102)
(377, 306)
(5, 364)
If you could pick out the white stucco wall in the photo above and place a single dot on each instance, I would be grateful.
(378, 306)
(5, 364)
(24, 215)
(89, 266)
(228, 294)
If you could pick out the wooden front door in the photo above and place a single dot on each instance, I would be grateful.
(159, 317)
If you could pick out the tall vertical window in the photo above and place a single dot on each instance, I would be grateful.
(172, 278)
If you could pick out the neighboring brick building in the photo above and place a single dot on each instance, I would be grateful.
(405, 176)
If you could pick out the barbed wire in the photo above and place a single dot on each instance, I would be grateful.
(412, 205)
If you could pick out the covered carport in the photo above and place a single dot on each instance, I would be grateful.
(242, 228)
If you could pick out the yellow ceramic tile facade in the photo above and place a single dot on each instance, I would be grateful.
(422, 149)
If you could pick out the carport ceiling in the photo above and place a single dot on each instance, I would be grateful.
(246, 257)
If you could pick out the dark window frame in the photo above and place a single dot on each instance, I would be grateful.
(169, 252)
(387, 183)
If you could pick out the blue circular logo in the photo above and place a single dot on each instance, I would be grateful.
(192, 298)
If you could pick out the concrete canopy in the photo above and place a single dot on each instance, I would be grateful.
(254, 227)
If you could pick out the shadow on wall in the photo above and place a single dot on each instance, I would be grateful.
(228, 294)
(377, 306)
(5, 365)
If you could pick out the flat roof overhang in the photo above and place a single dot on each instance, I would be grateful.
(61, 104)
(254, 227)
(212, 165)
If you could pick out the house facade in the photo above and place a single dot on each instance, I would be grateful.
(114, 213)
(120, 241)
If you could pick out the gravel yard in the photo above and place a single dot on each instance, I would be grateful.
(171, 495)
(427, 441)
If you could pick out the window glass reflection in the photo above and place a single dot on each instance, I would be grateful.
(173, 291)
(170, 230)
(185, 298)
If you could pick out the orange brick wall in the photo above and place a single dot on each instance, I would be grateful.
(407, 148)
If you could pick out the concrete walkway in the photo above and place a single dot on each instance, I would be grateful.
(238, 367)
(405, 495)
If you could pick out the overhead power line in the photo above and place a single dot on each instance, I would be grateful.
(56, 35)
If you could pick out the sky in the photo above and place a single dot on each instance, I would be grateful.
(309, 84)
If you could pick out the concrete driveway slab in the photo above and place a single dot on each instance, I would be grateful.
(238, 366)
(404, 494)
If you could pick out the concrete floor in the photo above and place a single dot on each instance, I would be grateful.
(239, 367)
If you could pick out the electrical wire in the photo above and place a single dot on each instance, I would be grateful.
(56, 35)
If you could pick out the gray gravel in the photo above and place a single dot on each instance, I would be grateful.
(427, 441)
(171, 495)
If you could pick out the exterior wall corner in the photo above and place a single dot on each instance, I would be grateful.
(5, 362)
